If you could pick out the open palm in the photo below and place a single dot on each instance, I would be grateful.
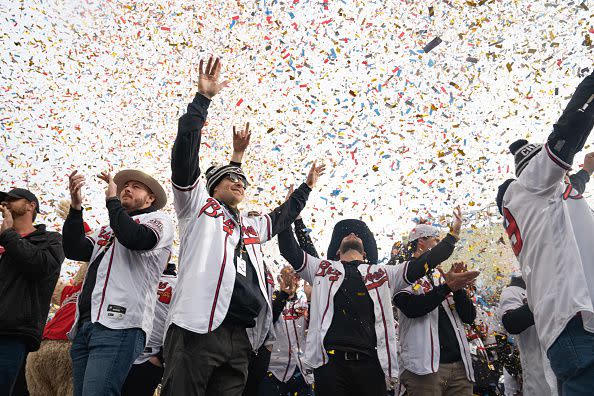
(208, 82)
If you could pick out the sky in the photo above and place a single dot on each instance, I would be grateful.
(406, 131)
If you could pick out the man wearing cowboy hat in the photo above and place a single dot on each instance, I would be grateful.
(351, 340)
(116, 304)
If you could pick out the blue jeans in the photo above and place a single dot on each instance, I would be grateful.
(102, 357)
(12, 356)
(572, 359)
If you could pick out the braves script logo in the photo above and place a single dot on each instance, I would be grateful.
(293, 313)
(164, 292)
(250, 236)
(326, 268)
(212, 208)
(104, 236)
(373, 280)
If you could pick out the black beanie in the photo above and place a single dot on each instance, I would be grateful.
(523, 152)
(215, 174)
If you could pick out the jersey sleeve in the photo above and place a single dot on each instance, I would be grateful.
(511, 298)
(162, 226)
(308, 269)
(263, 227)
(188, 200)
(396, 277)
(543, 173)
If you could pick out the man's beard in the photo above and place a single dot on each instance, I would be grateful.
(351, 245)
(18, 211)
(134, 204)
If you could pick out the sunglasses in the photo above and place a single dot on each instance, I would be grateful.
(235, 178)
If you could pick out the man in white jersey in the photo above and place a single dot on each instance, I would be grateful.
(147, 370)
(351, 338)
(550, 228)
(221, 309)
(114, 312)
(517, 319)
(434, 352)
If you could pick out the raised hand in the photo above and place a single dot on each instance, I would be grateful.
(75, 182)
(241, 139)
(112, 188)
(314, 174)
(458, 280)
(63, 208)
(589, 163)
(208, 81)
(7, 216)
(457, 223)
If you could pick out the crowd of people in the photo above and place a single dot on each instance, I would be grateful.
(131, 322)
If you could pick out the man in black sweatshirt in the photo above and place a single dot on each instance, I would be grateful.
(30, 261)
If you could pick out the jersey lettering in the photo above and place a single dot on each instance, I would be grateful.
(513, 231)
(104, 236)
(326, 268)
(375, 279)
(212, 208)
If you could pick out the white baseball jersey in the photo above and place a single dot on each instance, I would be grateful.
(208, 237)
(550, 229)
(289, 348)
(124, 293)
(419, 337)
(165, 290)
(536, 368)
(381, 281)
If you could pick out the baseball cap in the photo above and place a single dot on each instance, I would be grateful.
(19, 193)
(422, 231)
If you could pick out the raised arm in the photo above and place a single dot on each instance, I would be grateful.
(289, 248)
(284, 215)
(76, 245)
(303, 238)
(185, 167)
(574, 126)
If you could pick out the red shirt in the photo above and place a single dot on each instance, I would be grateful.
(63, 320)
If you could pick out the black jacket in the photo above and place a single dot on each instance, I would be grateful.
(29, 270)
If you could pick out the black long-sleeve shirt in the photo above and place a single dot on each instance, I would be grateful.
(246, 299)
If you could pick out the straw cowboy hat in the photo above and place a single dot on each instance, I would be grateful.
(122, 177)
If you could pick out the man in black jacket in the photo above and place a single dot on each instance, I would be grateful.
(30, 261)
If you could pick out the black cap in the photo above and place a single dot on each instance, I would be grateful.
(359, 228)
(19, 193)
